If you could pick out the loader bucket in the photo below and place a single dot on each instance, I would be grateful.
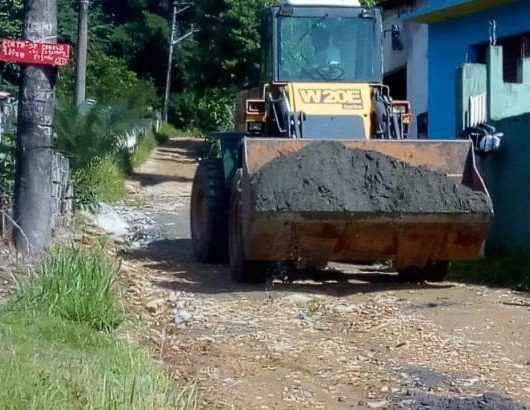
(406, 239)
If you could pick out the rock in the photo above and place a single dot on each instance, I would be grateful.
(182, 317)
(298, 299)
(344, 309)
(107, 219)
(153, 305)
(303, 316)
(377, 404)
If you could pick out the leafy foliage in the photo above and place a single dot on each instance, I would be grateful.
(166, 132)
(208, 111)
(11, 22)
(95, 141)
(7, 169)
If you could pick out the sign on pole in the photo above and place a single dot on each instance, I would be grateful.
(27, 52)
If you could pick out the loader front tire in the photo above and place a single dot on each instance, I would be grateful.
(241, 269)
(208, 212)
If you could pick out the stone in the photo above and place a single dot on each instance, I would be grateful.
(154, 305)
(108, 220)
(182, 317)
(377, 404)
(298, 299)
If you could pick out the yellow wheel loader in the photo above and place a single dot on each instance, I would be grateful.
(320, 82)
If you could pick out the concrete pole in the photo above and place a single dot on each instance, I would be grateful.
(33, 180)
(170, 63)
(82, 50)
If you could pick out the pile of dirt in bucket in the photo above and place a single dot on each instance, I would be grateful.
(328, 177)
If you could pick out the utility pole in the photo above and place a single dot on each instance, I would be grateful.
(33, 184)
(82, 50)
(170, 62)
(173, 41)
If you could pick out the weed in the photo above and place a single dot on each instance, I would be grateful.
(100, 181)
(74, 284)
(510, 270)
(143, 150)
(166, 132)
(50, 363)
(54, 354)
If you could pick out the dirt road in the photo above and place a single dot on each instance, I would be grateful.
(354, 339)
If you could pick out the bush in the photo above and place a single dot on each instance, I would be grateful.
(102, 180)
(75, 284)
(210, 111)
(146, 145)
(166, 132)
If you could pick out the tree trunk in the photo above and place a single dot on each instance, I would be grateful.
(33, 185)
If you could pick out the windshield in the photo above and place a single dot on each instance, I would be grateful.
(341, 49)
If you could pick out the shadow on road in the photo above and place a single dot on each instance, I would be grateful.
(175, 257)
(189, 148)
(146, 179)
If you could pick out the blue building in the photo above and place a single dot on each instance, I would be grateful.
(476, 70)
(459, 32)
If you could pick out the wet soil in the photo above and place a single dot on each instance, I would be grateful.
(353, 338)
(328, 177)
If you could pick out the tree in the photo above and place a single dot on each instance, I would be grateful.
(34, 157)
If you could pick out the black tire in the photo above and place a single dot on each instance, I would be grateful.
(434, 272)
(241, 269)
(209, 232)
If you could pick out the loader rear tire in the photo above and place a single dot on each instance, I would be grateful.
(208, 212)
(241, 269)
(434, 272)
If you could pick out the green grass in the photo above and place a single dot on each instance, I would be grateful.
(51, 363)
(60, 349)
(166, 132)
(74, 284)
(143, 150)
(507, 271)
(103, 180)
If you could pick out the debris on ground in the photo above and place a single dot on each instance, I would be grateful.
(124, 224)
(422, 401)
(364, 341)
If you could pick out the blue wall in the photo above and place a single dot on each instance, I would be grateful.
(448, 43)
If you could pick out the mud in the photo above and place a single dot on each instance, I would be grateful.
(328, 177)
(421, 401)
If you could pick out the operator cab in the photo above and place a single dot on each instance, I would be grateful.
(322, 41)
(321, 75)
